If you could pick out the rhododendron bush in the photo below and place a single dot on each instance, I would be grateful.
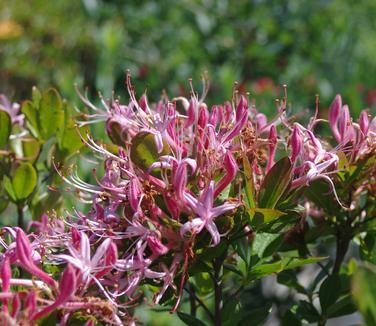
(190, 207)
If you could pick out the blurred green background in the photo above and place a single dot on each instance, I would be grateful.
(315, 47)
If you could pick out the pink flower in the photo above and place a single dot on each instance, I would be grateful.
(23, 252)
(206, 213)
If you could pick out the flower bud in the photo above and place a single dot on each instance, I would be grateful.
(334, 111)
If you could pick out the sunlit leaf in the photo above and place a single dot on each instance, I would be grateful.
(144, 150)
(24, 180)
(5, 128)
(51, 114)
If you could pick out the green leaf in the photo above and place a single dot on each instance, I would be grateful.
(144, 150)
(190, 320)
(364, 292)
(290, 319)
(31, 113)
(4, 201)
(263, 242)
(204, 283)
(275, 183)
(9, 188)
(367, 248)
(24, 181)
(51, 319)
(5, 128)
(308, 311)
(295, 262)
(69, 140)
(260, 271)
(320, 193)
(243, 248)
(288, 278)
(249, 186)
(31, 149)
(259, 216)
(51, 114)
(36, 96)
(344, 306)
(329, 291)
(256, 316)
(263, 270)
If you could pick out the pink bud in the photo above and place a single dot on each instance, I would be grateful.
(23, 252)
(67, 287)
(344, 123)
(203, 116)
(296, 143)
(214, 116)
(76, 237)
(67, 284)
(334, 111)
(112, 254)
(6, 274)
(191, 112)
(241, 108)
(227, 111)
(31, 302)
(156, 246)
(16, 305)
(231, 169)
(364, 122)
(144, 103)
(134, 194)
(272, 146)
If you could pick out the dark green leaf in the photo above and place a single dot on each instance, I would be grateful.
(275, 183)
(256, 316)
(190, 320)
(308, 311)
(288, 278)
(320, 193)
(344, 306)
(5, 128)
(329, 291)
(290, 319)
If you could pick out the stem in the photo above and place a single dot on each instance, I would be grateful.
(342, 247)
(218, 296)
(20, 216)
(192, 300)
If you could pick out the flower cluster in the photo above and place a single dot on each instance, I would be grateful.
(171, 188)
